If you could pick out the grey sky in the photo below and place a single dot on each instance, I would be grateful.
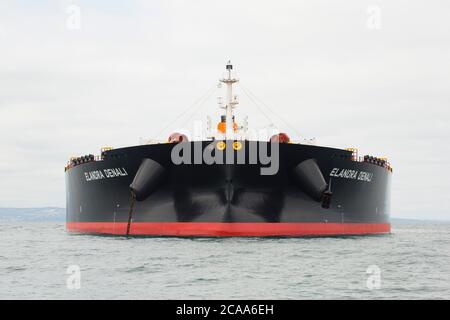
(135, 65)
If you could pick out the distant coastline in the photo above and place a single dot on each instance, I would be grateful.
(58, 214)
(33, 214)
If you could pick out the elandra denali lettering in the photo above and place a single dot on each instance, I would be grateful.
(105, 174)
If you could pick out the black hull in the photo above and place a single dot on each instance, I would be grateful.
(227, 199)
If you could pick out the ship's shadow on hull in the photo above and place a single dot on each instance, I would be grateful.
(229, 205)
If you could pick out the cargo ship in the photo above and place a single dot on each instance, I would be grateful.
(228, 184)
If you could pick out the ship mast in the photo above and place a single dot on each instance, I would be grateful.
(229, 133)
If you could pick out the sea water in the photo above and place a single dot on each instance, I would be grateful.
(40, 260)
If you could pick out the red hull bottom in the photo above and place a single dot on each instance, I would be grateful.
(235, 229)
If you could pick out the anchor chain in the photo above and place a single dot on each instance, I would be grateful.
(130, 215)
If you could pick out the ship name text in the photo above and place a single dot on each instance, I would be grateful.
(105, 174)
(351, 174)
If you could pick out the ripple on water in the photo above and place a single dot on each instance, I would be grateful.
(15, 268)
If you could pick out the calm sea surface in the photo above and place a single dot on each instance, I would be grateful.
(413, 263)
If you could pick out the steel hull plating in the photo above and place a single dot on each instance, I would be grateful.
(227, 199)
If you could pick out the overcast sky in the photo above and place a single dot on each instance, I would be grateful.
(368, 74)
